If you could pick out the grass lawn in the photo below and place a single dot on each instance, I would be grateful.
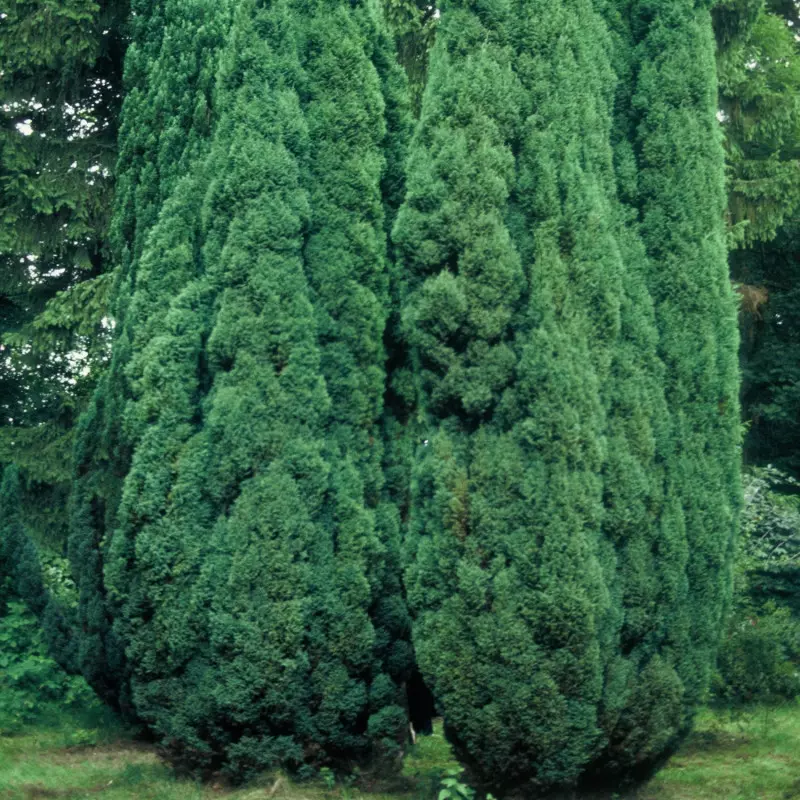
(755, 756)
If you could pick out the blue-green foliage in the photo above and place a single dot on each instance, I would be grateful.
(556, 437)
(573, 342)
(681, 200)
(232, 534)
(166, 121)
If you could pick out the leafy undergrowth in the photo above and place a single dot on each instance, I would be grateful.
(752, 756)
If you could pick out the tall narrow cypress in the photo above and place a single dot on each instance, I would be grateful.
(166, 118)
(508, 573)
(550, 565)
(356, 107)
(680, 198)
(249, 565)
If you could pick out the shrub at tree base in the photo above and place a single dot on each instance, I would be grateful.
(759, 660)
(32, 685)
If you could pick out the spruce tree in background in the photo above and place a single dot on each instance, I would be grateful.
(759, 78)
(759, 66)
(575, 484)
(60, 76)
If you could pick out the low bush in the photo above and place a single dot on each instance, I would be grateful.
(759, 661)
(32, 685)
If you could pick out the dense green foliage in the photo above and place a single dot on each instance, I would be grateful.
(759, 79)
(681, 198)
(520, 418)
(576, 484)
(60, 66)
(164, 130)
(759, 67)
(20, 568)
(759, 659)
(770, 536)
(32, 685)
(231, 532)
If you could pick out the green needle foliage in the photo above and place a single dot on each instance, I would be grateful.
(575, 484)
(60, 71)
(759, 66)
(759, 79)
(527, 409)
(680, 198)
(358, 123)
(165, 127)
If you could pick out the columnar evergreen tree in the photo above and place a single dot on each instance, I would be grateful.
(231, 527)
(358, 118)
(490, 520)
(681, 198)
(166, 123)
(658, 682)
(559, 438)
(559, 561)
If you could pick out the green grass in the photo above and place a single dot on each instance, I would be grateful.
(752, 756)
(755, 756)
